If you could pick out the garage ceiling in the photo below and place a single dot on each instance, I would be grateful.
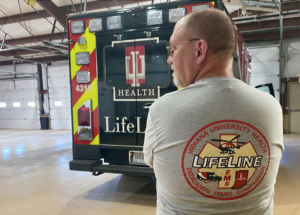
(26, 26)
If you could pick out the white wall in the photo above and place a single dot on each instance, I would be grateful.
(23, 117)
(59, 90)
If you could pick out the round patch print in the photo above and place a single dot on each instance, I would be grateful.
(226, 160)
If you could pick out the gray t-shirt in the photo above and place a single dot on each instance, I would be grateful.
(215, 147)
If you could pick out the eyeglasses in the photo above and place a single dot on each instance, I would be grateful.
(172, 48)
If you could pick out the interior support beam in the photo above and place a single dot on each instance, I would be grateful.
(288, 6)
(268, 24)
(54, 11)
(273, 35)
(66, 10)
(19, 52)
(25, 40)
(238, 13)
(41, 59)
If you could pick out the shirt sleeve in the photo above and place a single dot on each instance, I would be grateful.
(149, 142)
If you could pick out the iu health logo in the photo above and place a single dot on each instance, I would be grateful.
(226, 160)
(136, 89)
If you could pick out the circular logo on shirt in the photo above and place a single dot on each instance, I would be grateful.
(226, 160)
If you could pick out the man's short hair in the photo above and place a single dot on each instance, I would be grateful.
(216, 28)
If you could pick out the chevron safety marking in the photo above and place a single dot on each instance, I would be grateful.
(90, 46)
(82, 93)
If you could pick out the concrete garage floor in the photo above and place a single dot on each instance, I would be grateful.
(35, 179)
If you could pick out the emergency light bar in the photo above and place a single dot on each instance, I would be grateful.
(77, 27)
(200, 7)
(95, 25)
(83, 77)
(114, 22)
(154, 17)
(176, 14)
(82, 58)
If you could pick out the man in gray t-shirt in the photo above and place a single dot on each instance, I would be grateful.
(215, 145)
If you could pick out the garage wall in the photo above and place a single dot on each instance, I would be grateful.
(22, 117)
(265, 67)
(59, 92)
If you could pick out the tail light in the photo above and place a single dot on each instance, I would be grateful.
(84, 118)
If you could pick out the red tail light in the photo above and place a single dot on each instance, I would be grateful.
(84, 121)
(84, 116)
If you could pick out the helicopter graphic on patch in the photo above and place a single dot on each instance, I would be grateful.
(229, 146)
(228, 163)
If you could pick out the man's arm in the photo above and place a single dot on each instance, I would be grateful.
(149, 142)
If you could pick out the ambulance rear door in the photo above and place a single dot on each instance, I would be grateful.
(154, 72)
(116, 93)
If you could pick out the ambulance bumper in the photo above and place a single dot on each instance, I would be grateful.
(97, 167)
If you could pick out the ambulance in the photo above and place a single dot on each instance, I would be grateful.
(118, 68)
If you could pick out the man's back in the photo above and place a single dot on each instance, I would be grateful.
(217, 147)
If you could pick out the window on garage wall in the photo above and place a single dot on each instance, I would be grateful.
(16, 104)
(30, 104)
(58, 104)
(2, 104)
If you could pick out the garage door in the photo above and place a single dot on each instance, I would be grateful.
(265, 67)
(59, 97)
(19, 101)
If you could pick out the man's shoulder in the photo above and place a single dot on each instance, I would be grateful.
(166, 100)
(262, 96)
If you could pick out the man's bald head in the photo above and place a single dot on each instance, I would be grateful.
(213, 26)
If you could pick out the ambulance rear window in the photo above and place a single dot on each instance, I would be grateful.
(137, 66)
(157, 68)
(115, 71)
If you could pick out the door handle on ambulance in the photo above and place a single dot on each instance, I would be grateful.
(147, 106)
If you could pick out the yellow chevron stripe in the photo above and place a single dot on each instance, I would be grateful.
(90, 46)
(95, 141)
(85, 97)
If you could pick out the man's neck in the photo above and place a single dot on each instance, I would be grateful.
(214, 68)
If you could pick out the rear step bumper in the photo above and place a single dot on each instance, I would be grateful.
(96, 166)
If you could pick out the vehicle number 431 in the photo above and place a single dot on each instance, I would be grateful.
(82, 88)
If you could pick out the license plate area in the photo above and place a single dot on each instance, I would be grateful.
(136, 158)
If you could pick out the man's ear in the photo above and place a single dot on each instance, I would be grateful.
(202, 48)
